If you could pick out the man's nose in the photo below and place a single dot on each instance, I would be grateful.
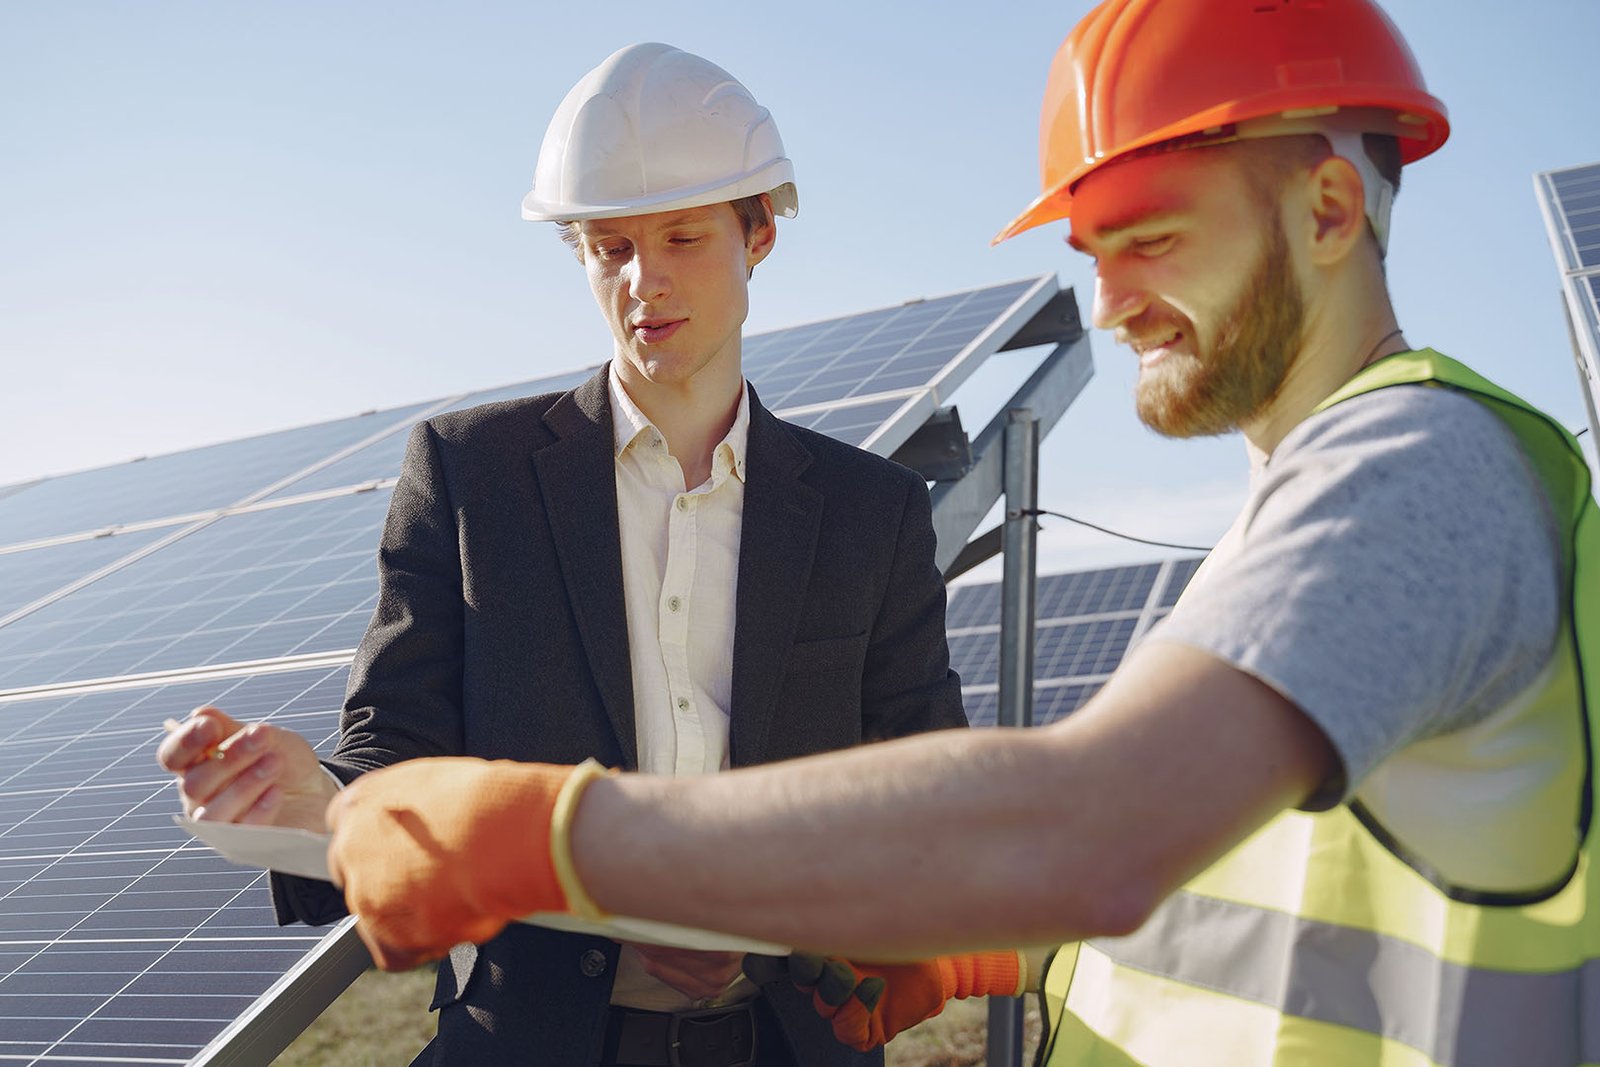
(1116, 300)
(651, 282)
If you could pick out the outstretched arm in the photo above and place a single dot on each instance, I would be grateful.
(965, 840)
(953, 841)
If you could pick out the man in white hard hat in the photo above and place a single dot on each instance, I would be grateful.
(650, 570)
(1338, 807)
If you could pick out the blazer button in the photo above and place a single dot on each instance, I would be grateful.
(592, 963)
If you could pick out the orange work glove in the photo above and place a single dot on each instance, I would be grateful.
(432, 852)
(869, 1003)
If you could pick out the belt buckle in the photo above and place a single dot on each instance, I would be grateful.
(713, 1037)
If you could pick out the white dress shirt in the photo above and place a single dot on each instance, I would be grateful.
(680, 563)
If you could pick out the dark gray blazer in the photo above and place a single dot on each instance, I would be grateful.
(500, 631)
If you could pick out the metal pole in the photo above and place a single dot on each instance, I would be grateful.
(1016, 652)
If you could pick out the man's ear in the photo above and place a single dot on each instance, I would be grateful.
(1337, 210)
(761, 239)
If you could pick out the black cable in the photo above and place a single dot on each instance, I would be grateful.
(1113, 533)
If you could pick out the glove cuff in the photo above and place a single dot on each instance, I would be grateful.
(982, 974)
(579, 902)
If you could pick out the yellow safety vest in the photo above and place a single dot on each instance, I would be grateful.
(1315, 942)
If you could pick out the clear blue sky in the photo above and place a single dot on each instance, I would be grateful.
(220, 218)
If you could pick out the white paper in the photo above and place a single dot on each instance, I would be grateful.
(305, 853)
(277, 848)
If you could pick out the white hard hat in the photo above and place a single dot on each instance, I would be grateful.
(654, 128)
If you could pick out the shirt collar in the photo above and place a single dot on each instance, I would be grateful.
(629, 424)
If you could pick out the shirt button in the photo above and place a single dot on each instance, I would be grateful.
(673, 603)
(683, 703)
(592, 963)
(683, 503)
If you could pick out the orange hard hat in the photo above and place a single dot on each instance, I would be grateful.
(1137, 73)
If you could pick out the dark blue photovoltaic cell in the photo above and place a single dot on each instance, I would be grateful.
(382, 459)
(1178, 576)
(1060, 650)
(122, 939)
(1087, 620)
(879, 351)
(182, 483)
(277, 582)
(1577, 201)
(30, 574)
(1061, 596)
(852, 425)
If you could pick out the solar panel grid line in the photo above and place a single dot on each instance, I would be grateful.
(1048, 621)
(855, 401)
(1576, 246)
(1569, 201)
(258, 1034)
(399, 426)
(94, 576)
(895, 430)
(147, 898)
(277, 581)
(1175, 574)
(209, 672)
(99, 533)
(192, 481)
(130, 983)
(367, 486)
(825, 333)
(380, 461)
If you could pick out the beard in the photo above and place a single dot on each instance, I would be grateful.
(1211, 391)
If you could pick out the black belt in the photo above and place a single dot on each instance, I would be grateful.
(713, 1037)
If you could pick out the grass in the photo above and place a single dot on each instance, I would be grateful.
(382, 1020)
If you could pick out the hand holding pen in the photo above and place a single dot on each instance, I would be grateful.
(258, 773)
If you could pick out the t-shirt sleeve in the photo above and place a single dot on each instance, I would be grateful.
(1395, 573)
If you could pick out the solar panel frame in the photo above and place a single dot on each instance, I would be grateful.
(1569, 200)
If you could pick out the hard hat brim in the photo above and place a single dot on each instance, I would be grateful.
(776, 178)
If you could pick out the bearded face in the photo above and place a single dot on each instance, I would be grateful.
(1233, 370)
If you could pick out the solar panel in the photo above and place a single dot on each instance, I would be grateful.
(243, 574)
(30, 574)
(1570, 202)
(1085, 622)
(121, 939)
(281, 581)
(382, 458)
(182, 483)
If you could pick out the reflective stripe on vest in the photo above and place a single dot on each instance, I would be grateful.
(1313, 943)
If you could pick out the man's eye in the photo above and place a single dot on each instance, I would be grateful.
(686, 240)
(1152, 246)
(611, 251)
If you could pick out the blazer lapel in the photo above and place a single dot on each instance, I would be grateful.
(577, 475)
(777, 543)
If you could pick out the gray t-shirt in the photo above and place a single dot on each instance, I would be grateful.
(1395, 573)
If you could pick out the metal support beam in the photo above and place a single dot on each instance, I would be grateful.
(1016, 652)
(958, 507)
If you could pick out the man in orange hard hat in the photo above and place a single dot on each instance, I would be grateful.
(1336, 809)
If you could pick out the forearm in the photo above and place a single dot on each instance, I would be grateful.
(964, 839)
(902, 850)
